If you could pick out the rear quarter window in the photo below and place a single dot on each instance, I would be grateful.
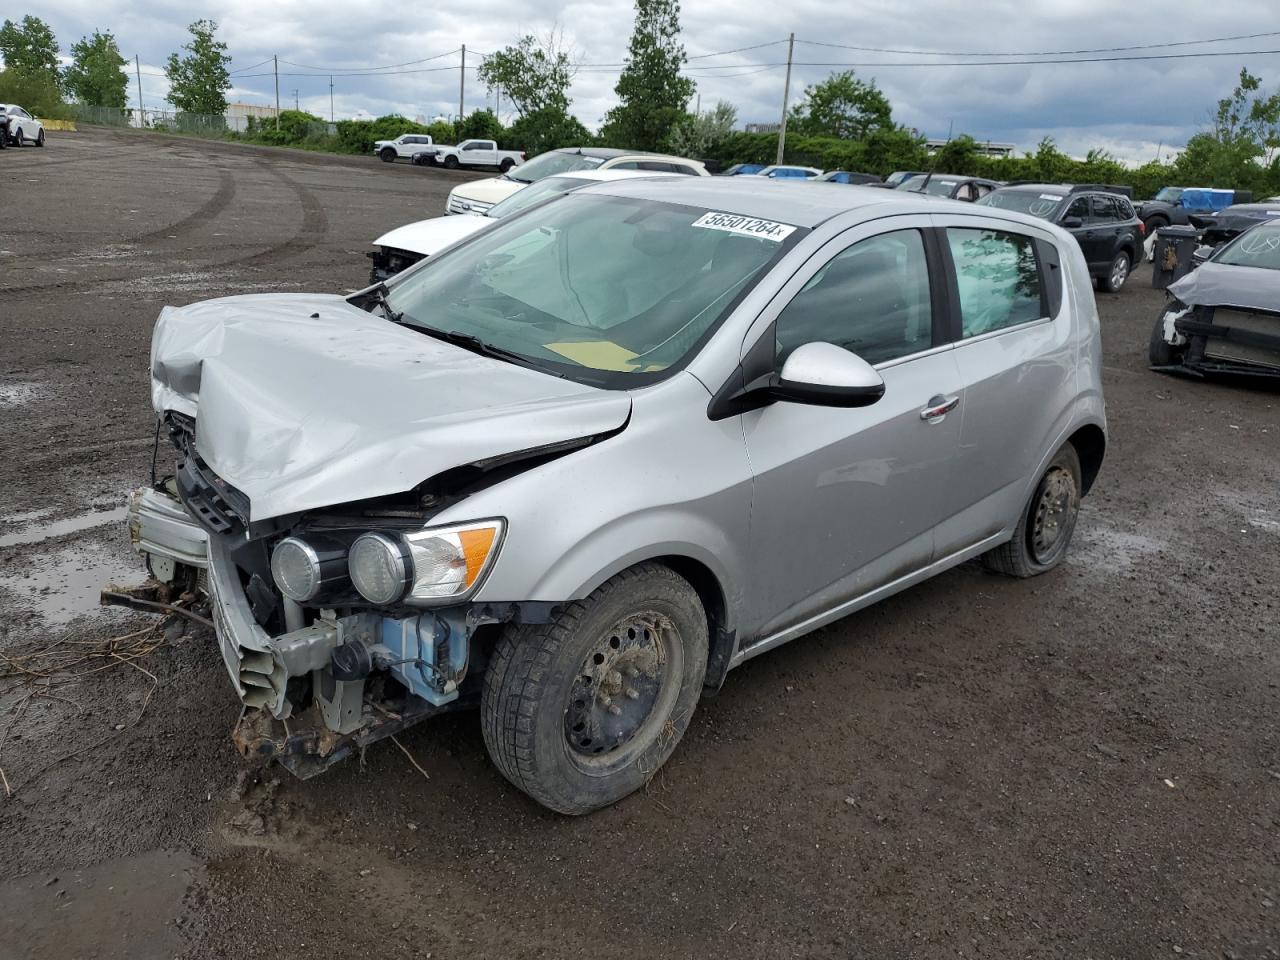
(997, 279)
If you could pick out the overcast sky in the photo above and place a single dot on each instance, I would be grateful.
(1129, 108)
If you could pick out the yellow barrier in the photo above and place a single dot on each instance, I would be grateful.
(66, 126)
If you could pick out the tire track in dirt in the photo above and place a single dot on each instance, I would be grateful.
(312, 230)
(221, 199)
(315, 224)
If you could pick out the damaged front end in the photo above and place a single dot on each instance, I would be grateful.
(330, 673)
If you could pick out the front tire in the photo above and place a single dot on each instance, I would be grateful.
(1044, 531)
(580, 712)
(1117, 273)
(40, 139)
(451, 162)
(1161, 353)
(17, 138)
(387, 154)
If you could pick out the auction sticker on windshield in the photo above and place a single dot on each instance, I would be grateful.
(747, 226)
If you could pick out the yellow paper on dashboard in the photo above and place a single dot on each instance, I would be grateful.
(596, 354)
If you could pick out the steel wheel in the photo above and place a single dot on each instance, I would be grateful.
(624, 692)
(1054, 514)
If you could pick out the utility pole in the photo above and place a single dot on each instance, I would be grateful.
(786, 95)
(142, 112)
(275, 62)
(331, 99)
(295, 100)
(462, 82)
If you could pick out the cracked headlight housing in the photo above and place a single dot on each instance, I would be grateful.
(426, 567)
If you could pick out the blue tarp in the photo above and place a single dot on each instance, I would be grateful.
(1206, 200)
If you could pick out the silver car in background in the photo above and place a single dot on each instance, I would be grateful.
(577, 467)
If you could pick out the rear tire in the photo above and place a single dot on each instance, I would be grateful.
(580, 712)
(387, 154)
(1044, 531)
(1117, 273)
(506, 164)
(451, 162)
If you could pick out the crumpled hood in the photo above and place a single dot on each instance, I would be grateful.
(303, 400)
(428, 237)
(1224, 285)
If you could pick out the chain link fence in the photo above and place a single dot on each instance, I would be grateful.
(293, 127)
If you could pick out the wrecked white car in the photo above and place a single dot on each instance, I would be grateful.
(1223, 318)
(577, 466)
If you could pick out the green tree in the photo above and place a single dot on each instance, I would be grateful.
(480, 125)
(36, 92)
(651, 90)
(841, 106)
(544, 130)
(702, 135)
(533, 74)
(30, 48)
(198, 82)
(95, 76)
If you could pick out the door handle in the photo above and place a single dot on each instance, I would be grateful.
(938, 408)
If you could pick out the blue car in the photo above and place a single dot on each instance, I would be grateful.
(743, 169)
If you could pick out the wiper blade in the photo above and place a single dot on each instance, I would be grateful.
(473, 343)
(380, 294)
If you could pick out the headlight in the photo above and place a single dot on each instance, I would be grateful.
(379, 567)
(303, 571)
(450, 562)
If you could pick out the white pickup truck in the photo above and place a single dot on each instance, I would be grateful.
(470, 153)
(402, 147)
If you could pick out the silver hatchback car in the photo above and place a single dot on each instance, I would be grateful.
(578, 466)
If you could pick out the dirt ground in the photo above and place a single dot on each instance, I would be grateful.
(1085, 764)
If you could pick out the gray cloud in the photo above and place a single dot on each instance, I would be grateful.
(1130, 108)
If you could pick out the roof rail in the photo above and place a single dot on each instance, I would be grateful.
(1102, 188)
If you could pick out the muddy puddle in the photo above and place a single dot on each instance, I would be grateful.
(128, 907)
(64, 581)
(16, 394)
(35, 532)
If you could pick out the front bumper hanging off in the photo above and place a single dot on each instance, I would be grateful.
(429, 653)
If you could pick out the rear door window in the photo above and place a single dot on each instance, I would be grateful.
(1101, 210)
(872, 298)
(997, 279)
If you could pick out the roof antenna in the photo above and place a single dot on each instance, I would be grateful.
(929, 176)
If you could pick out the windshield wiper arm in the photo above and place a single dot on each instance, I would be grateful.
(473, 343)
(379, 295)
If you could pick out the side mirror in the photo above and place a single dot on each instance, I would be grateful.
(828, 376)
(1072, 223)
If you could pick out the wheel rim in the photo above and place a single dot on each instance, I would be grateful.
(1054, 514)
(623, 693)
(1119, 271)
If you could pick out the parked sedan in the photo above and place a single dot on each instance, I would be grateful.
(949, 185)
(1224, 316)
(858, 179)
(781, 171)
(23, 127)
(402, 247)
(578, 467)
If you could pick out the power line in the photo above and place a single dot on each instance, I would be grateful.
(353, 71)
(253, 67)
(1010, 63)
(1038, 53)
(758, 46)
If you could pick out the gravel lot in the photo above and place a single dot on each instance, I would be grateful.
(1085, 765)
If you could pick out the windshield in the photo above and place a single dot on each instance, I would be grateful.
(603, 290)
(549, 164)
(1042, 205)
(936, 187)
(1259, 247)
(1169, 194)
(536, 193)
